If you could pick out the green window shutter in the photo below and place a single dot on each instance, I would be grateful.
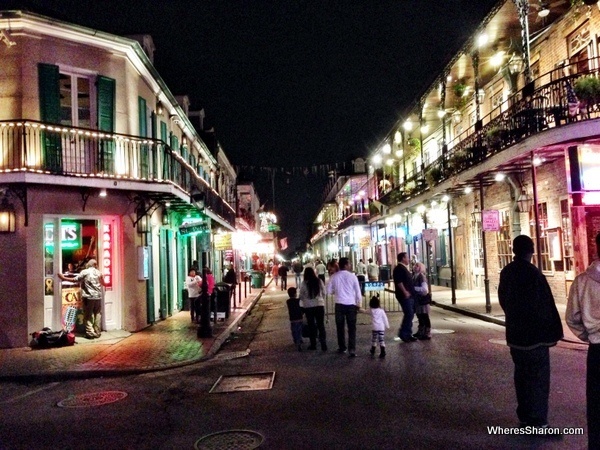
(106, 92)
(106, 103)
(49, 93)
(143, 122)
(48, 77)
(164, 137)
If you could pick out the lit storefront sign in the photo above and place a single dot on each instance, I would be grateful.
(223, 241)
(70, 235)
(107, 253)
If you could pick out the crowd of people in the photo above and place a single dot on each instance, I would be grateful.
(348, 290)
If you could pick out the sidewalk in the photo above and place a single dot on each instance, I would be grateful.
(167, 344)
(472, 303)
(174, 343)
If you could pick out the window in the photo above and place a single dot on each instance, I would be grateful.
(545, 264)
(504, 240)
(567, 237)
(76, 99)
(477, 247)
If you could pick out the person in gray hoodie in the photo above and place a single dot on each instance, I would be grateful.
(583, 318)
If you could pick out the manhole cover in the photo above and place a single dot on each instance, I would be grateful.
(498, 341)
(92, 399)
(231, 439)
(441, 331)
(232, 355)
(243, 382)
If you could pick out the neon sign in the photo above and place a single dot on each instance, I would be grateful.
(70, 235)
(107, 252)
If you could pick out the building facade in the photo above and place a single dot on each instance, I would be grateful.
(98, 159)
(503, 142)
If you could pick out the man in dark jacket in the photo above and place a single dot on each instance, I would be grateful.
(532, 327)
(404, 289)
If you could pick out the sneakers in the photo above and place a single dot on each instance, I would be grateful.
(382, 353)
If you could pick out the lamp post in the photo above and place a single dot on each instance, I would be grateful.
(451, 246)
(486, 280)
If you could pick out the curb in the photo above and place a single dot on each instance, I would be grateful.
(115, 372)
(466, 312)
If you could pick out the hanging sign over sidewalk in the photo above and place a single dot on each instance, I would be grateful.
(490, 220)
(430, 234)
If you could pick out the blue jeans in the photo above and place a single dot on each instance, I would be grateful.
(296, 331)
(346, 314)
(532, 384)
(298, 279)
(408, 309)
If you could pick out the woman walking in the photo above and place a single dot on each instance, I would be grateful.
(312, 300)
(422, 301)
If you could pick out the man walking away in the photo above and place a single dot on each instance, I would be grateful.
(372, 270)
(298, 268)
(403, 283)
(532, 327)
(344, 286)
(583, 318)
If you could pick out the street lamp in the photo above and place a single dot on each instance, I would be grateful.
(524, 202)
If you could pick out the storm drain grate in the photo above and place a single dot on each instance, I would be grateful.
(92, 399)
(243, 382)
(230, 439)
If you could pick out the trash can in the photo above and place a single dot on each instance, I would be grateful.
(385, 272)
(257, 279)
(223, 291)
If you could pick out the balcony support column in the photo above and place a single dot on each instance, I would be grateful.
(523, 11)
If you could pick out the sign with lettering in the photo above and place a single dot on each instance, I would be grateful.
(430, 234)
(70, 235)
(365, 242)
(194, 229)
(107, 255)
(223, 241)
(371, 286)
(490, 220)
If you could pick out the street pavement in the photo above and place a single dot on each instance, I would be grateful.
(442, 393)
(174, 343)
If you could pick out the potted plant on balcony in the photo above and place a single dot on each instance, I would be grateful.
(587, 90)
(457, 161)
(434, 175)
(459, 88)
(495, 136)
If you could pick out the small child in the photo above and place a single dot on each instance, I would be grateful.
(379, 325)
(295, 313)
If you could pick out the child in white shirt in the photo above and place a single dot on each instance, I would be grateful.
(379, 325)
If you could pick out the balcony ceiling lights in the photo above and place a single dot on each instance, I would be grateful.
(397, 137)
(408, 126)
(499, 177)
(482, 39)
(386, 149)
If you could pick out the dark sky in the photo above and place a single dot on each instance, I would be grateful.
(290, 83)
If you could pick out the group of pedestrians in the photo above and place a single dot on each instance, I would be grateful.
(345, 287)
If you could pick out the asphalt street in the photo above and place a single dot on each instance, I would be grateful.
(443, 393)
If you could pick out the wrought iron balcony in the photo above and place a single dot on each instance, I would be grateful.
(352, 219)
(547, 103)
(35, 147)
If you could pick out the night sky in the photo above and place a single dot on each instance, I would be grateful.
(290, 83)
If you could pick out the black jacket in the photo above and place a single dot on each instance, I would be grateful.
(531, 315)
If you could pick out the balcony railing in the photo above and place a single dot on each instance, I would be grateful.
(354, 219)
(540, 106)
(30, 146)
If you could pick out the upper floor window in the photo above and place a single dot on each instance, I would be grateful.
(77, 100)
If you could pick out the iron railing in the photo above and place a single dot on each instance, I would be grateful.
(542, 105)
(31, 146)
